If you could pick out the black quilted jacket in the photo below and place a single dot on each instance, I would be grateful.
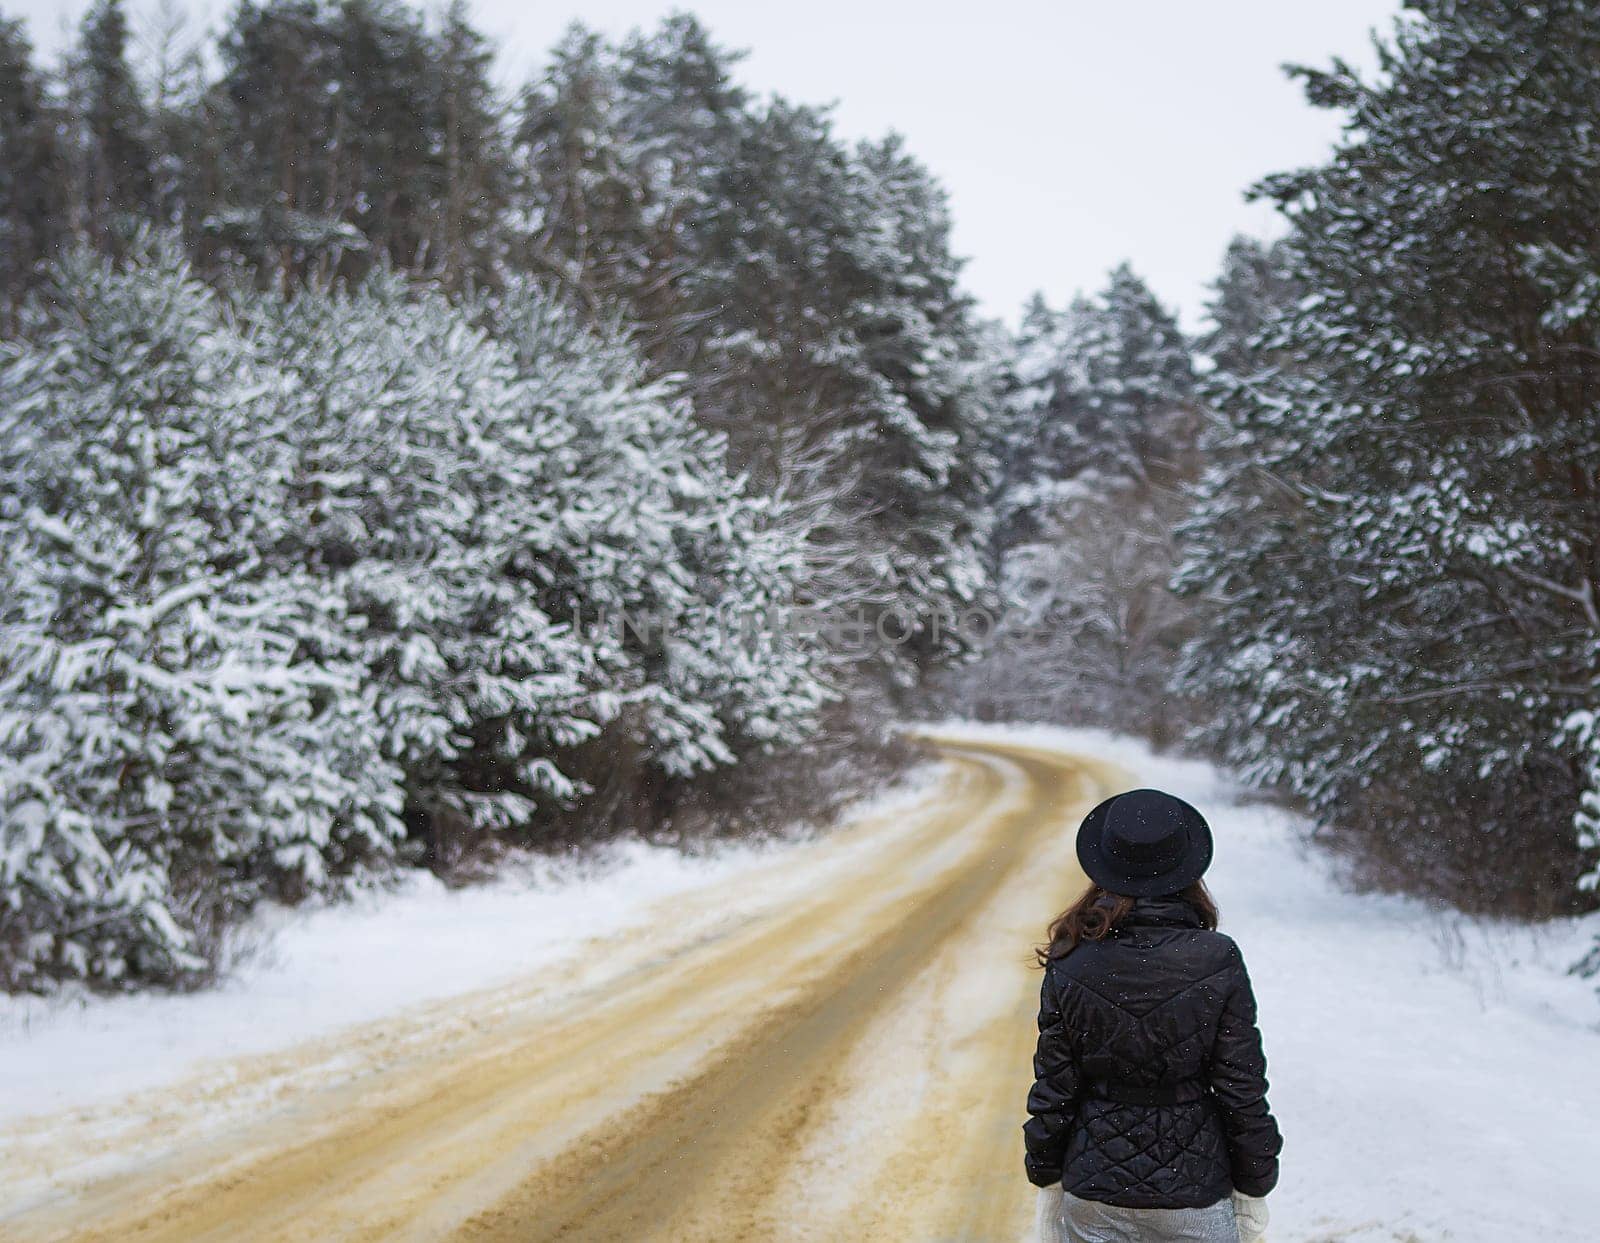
(1150, 1085)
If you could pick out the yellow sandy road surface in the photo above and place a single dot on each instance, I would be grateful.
(833, 1047)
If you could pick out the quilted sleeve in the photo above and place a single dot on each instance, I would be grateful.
(1239, 1084)
(1054, 1092)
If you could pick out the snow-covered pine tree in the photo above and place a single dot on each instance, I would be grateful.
(1256, 279)
(33, 192)
(579, 177)
(931, 403)
(115, 151)
(842, 363)
(533, 537)
(1100, 427)
(1409, 626)
(806, 292)
(1106, 386)
(678, 102)
(1245, 515)
(327, 139)
(1137, 412)
(183, 144)
(169, 749)
(686, 582)
(1035, 439)
(618, 152)
(1039, 352)
(414, 476)
(470, 190)
(384, 155)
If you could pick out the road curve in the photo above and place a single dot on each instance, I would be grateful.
(835, 1048)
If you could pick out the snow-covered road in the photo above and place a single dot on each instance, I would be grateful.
(825, 1040)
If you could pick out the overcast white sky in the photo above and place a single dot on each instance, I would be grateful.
(1072, 134)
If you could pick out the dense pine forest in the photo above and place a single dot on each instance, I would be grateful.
(396, 469)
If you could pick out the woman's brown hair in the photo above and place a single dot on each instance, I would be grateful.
(1098, 911)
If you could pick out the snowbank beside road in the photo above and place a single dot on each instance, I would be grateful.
(321, 968)
(1437, 1077)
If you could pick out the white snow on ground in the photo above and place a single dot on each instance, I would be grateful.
(323, 968)
(1437, 1078)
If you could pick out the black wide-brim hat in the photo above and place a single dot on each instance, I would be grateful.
(1144, 844)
